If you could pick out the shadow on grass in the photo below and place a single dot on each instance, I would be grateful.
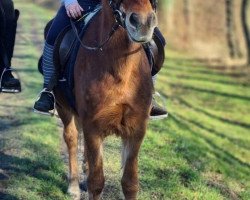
(246, 98)
(222, 155)
(188, 76)
(239, 142)
(4, 196)
(204, 70)
(235, 70)
(12, 122)
(232, 122)
(201, 153)
(24, 159)
(22, 168)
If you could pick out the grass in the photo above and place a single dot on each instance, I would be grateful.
(203, 148)
(201, 152)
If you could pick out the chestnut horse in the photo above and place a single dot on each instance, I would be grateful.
(113, 92)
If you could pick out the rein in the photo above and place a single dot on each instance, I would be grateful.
(119, 21)
(99, 47)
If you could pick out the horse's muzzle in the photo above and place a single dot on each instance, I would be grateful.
(140, 28)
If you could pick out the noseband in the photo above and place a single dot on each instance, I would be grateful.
(118, 14)
(119, 22)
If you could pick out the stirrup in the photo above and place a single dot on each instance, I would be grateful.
(162, 105)
(152, 118)
(51, 112)
(6, 90)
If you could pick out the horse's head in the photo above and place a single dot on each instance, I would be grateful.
(138, 18)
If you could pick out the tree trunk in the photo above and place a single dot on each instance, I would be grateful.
(245, 6)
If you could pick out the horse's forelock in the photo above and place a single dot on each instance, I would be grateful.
(141, 2)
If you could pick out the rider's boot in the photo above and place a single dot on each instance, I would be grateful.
(45, 103)
(158, 112)
(8, 83)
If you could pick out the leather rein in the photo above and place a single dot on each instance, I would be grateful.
(119, 21)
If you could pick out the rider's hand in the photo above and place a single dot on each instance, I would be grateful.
(74, 10)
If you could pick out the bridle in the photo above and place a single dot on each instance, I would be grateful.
(119, 16)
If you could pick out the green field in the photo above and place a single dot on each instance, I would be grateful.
(202, 151)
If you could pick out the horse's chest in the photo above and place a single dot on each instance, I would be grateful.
(111, 102)
(106, 94)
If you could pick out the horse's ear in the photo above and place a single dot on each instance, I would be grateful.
(115, 3)
(154, 3)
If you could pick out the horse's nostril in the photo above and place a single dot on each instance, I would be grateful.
(134, 19)
(151, 19)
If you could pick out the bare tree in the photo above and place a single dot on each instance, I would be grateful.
(244, 8)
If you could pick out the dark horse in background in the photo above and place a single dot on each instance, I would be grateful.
(113, 92)
(8, 25)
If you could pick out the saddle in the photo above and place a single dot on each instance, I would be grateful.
(157, 51)
(66, 43)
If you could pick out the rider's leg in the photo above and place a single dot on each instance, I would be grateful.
(158, 111)
(11, 36)
(45, 103)
(8, 33)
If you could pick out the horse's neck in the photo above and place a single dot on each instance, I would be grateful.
(106, 15)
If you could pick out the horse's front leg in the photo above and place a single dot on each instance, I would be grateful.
(130, 151)
(95, 180)
(71, 139)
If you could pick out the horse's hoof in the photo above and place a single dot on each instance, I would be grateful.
(74, 192)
